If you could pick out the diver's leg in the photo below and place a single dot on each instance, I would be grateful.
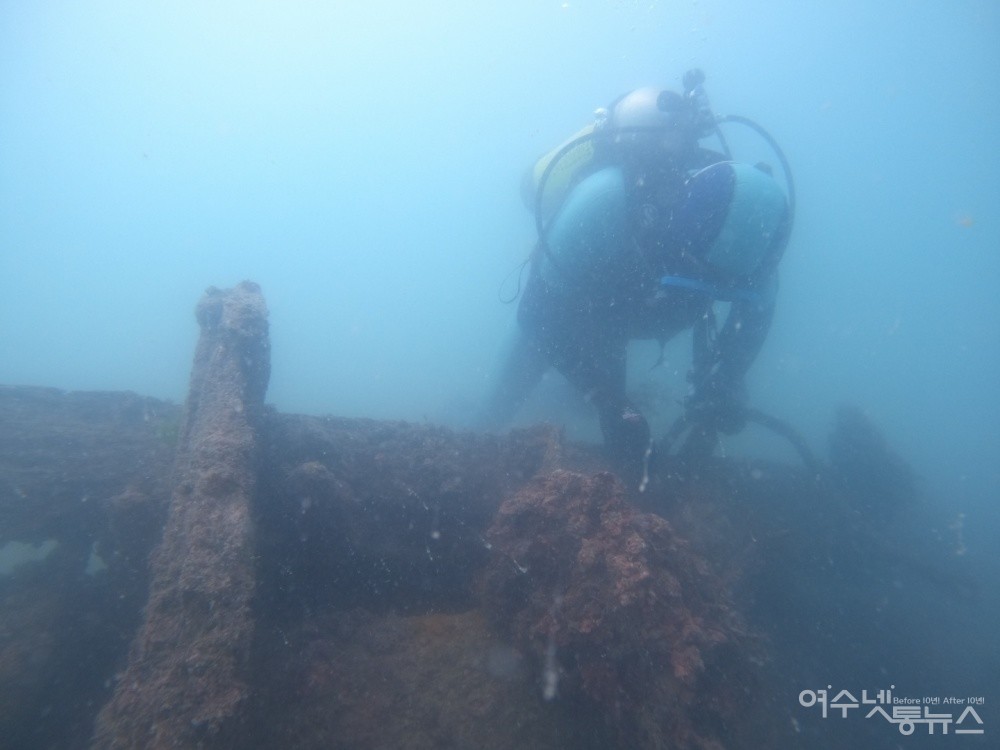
(597, 367)
(522, 366)
(626, 432)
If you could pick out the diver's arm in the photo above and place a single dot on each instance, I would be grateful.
(718, 395)
(745, 331)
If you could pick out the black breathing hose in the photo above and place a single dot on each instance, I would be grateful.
(785, 166)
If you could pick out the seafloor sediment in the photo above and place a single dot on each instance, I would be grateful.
(222, 575)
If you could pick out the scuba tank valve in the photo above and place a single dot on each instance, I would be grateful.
(694, 92)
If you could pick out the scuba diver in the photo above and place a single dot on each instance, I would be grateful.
(641, 230)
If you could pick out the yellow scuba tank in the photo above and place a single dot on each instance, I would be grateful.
(546, 185)
(558, 171)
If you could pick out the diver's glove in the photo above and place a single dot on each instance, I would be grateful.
(717, 403)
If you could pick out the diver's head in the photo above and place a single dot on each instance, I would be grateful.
(654, 122)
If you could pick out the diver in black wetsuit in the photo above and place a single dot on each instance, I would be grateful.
(640, 242)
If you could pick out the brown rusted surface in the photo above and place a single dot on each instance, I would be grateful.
(387, 515)
(353, 584)
(186, 681)
(616, 607)
(356, 680)
(85, 476)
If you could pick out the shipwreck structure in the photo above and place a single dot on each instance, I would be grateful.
(220, 575)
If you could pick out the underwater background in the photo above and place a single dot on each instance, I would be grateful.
(362, 163)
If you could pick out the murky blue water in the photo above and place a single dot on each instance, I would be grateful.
(363, 166)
